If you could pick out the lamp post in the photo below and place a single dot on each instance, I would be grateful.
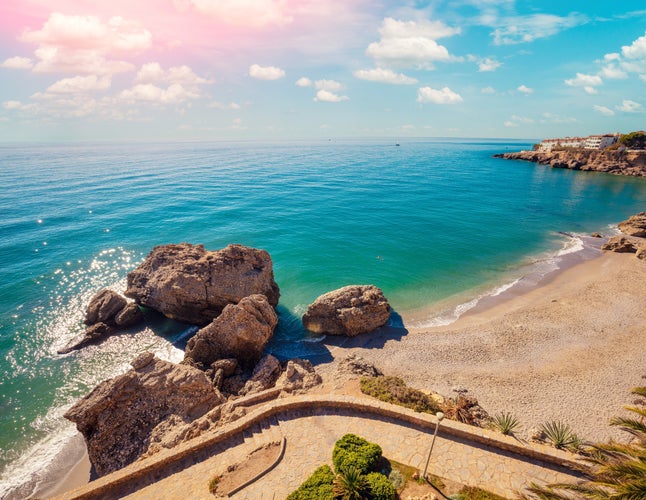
(439, 415)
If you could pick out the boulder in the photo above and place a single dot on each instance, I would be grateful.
(129, 316)
(299, 374)
(103, 307)
(356, 365)
(350, 310)
(190, 284)
(118, 417)
(635, 225)
(240, 332)
(619, 244)
(264, 376)
(641, 252)
(94, 334)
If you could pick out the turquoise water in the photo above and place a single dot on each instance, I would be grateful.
(425, 221)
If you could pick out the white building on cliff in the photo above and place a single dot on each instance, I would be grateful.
(590, 142)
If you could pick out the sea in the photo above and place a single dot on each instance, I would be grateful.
(438, 224)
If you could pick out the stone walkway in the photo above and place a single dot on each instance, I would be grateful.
(311, 426)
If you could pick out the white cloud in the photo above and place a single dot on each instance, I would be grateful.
(82, 44)
(384, 76)
(636, 50)
(488, 90)
(410, 43)
(253, 13)
(328, 96)
(220, 105)
(154, 73)
(525, 90)
(582, 80)
(442, 96)
(485, 63)
(330, 85)
(521, 119)
(17, 63)
(554, 118)
(511, 124)
(148, 92)
(628, 106)
(603, 110)
(590, 90)
(303, 82)
(614, 56)
(642, 78)
(523, 29)
(612, 72)
(266, 72)
(12, 105)
(80, 84)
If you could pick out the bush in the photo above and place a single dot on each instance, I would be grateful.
(560, 435)
(397, 478)
(317, 486)
(355, 451)
(394, 390)
(505, 423)
(380, 487)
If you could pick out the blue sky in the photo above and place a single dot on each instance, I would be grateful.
(266, 69)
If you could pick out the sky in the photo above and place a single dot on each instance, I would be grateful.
(87, 70)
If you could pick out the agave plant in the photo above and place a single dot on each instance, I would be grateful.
(618, 470)
(505, 423)
(560, 435)
(350, 484)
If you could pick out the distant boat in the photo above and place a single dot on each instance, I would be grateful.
(396, 144)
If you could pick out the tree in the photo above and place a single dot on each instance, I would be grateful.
(618, 470)
(634, 140)
(351, 484)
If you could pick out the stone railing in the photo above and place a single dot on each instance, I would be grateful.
(153, 467)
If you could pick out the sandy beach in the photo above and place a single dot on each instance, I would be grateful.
(568, 350)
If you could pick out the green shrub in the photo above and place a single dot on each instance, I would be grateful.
(316, 487)
(394, 390)
(474, 493)
(213, 484)
(380, 487)
(560, 435)
(397, 478)
(505, 423)
(354, 451)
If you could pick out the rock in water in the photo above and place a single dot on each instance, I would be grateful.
(94, 334)
(118, 416)
(129, 316)
(240, 332)
(191, 284)
(350, 310)
(635, 225)
(104, 307)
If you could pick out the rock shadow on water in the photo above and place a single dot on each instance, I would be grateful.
(176, 332)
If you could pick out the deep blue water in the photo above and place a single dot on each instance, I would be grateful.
(425, 221)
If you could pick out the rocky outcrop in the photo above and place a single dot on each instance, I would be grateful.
(356, 365)
(635, 225)
(350, 310)
(299, 375)
(641, 252)
(619, 244)
(118, 417)
(264, 375)
(617, 162)
(106, 313)
(94, 334)
(240, 332)
(104, 307)
(190, 284)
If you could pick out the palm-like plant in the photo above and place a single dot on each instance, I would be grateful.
(618, 470)
(560, 435)
(350, 484)
(505, 423)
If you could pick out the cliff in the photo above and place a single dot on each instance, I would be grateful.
(612, 162)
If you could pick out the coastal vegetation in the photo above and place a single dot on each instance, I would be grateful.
(394, 390)
(634, 140)
(560, 435)
(505, 423)
(617, 469)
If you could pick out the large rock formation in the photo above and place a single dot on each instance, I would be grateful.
(635, 225)
(350, 310)
(613, 162)
(119, 415)
(104, 307)
(191, 284)
(240, 332)
(619, 244)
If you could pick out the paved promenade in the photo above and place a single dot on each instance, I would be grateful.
(311, 426)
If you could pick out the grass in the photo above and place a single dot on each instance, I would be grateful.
(505, 423)
(474, 493)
